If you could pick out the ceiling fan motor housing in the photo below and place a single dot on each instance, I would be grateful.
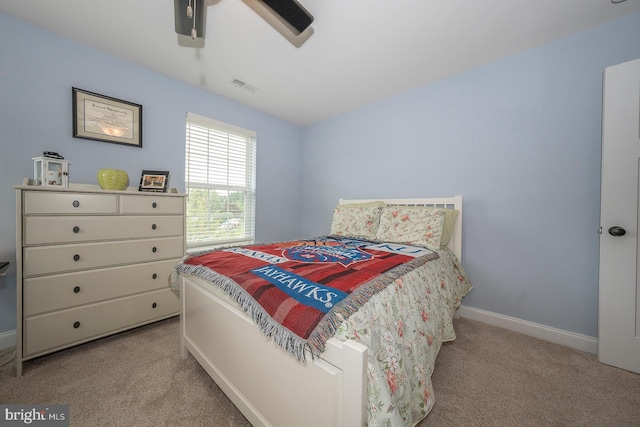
(183, 23)
(189, 15)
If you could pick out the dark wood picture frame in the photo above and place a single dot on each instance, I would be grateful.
(103, 118)
(154, 181)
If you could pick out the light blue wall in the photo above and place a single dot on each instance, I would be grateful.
(520, 140)
(38, 70)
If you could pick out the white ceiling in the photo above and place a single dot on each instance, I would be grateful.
(360, 51)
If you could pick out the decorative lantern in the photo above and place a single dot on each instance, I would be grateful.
(50, 172)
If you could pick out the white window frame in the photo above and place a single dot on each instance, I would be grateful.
(214, 171)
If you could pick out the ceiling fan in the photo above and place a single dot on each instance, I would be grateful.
(288, 17)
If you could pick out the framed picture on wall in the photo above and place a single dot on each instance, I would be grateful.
(154, 181)
(102, 118)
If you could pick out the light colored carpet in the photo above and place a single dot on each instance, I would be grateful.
(135, 378)
(494, 377)
(487, 377)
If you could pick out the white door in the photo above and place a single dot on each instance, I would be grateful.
(619, 296)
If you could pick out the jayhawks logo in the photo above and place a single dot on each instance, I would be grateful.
(327, 251)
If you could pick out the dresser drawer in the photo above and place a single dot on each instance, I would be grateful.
(41, 260)
(63, 328)
(46, 202)
(42, 230)
(151, 205)
(60, 291)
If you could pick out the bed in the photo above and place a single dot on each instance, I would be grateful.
(374, 369)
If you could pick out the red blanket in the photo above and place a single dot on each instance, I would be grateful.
(298, 292)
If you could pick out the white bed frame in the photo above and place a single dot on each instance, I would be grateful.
(269, 386)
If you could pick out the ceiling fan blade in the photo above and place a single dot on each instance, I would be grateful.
(291, 13)
(279, 24)
(185, 25)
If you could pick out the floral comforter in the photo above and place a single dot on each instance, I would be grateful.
(404, 327)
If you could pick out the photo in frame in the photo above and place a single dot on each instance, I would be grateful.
(102, 118)
(154, 181)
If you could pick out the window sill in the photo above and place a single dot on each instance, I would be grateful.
(212, 247)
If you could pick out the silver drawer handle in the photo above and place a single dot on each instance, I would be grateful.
(76, 203)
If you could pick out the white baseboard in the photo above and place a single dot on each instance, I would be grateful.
(547, 333)
(7, 339)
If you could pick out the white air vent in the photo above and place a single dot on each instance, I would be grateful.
(243, 85)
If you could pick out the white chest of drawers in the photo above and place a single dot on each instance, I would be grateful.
(92, 263)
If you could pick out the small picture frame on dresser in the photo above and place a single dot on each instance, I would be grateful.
(154, 181)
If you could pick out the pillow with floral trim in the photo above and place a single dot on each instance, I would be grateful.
(449, 224)
(411, 225)
(356, 220)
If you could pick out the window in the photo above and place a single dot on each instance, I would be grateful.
(220, 182)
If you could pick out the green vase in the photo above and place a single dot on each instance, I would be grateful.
(113, 179)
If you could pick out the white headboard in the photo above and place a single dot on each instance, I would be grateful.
(455, 202)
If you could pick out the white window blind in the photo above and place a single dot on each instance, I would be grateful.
(220, 183)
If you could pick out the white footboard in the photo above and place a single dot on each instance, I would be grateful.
(269, 386)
